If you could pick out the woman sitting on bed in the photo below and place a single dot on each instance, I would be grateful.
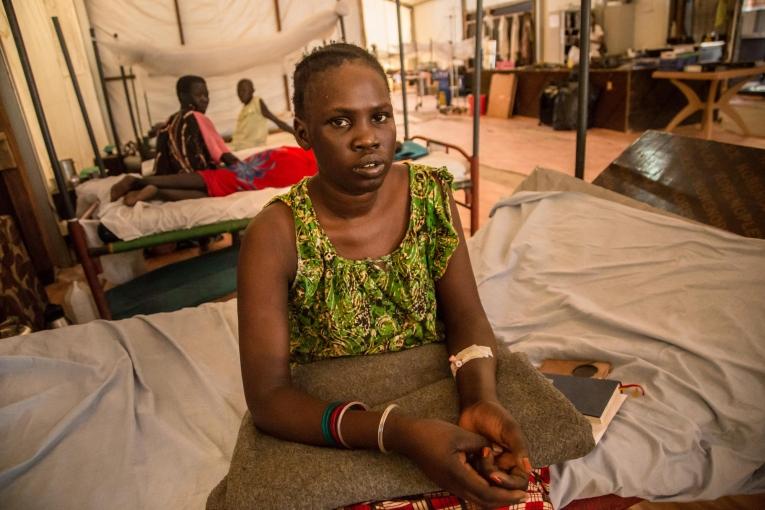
(193, 161)
(360, 259)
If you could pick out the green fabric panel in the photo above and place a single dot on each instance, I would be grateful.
(172, 236)
(187, 283)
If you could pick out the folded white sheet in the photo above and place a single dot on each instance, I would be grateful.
(456, 164)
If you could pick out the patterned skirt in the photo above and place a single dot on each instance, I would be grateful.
(538, 499)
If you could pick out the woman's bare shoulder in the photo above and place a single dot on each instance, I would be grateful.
(272, 234)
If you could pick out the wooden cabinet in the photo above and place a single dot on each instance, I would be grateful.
(629, 100)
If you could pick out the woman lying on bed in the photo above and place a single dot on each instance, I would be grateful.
(193, 161)
(355, 261)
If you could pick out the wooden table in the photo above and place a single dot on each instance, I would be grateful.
(719, 184)
(695, 104)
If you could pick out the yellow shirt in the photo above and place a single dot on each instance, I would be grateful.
(251, 126)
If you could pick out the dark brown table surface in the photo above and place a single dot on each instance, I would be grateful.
(719, 184)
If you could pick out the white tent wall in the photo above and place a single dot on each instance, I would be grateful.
(57, 95)
(381, 28)
(439, 22)
(294, 11)
(206, 24)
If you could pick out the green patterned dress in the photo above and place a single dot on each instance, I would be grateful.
(343, 307)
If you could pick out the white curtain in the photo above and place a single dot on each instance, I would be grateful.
(225, 41)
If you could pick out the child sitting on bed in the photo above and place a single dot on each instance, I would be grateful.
(252, 123)
(190, 153)
(366, 257)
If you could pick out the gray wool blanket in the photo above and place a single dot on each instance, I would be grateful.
(270, 473)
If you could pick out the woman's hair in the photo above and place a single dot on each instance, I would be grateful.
(323, 58)
(184, 83)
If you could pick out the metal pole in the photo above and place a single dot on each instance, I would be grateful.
(80, 100)
(285, 81)
(403, 71)
(478, 61)
(135, 99)
(584, 88)
(109, 113)
(178, 20)
(148, 111)
(342, 28)
(129, 105)
(39, 113)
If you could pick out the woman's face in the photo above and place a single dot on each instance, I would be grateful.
(348, 122)
(197, 98)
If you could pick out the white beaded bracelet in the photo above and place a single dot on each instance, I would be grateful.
(381, 427)
(467, 354)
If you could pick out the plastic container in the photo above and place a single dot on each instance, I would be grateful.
(483, 104)
(79, 306)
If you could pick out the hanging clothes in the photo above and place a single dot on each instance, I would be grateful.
(504, 42)
(514, 38)
(527, 40)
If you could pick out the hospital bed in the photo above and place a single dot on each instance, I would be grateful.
(189, 282)
(213, 274)
(144, 412)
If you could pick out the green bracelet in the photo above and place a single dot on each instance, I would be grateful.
(325, 424)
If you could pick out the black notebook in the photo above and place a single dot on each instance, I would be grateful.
(591, 397)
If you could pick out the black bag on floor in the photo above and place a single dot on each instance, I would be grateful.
(558, 105)
(547, 104)
(565, 108)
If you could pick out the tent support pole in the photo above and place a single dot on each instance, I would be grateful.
(285, 81)
(109, 113)
(148, 111)
(80, 100)
(584, 88)
(135, 99)
(13, 22)
(178, 20)
(475, 163)
(403, 71)
(342, 26)
(123, 78)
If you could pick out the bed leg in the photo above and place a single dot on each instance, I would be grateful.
(90, 267)
(474, 200)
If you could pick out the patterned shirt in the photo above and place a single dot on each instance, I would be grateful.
(181, 147)
(342, 307)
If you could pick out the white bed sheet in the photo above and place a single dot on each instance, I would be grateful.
(675, 306)
(133, 414)
(143, 413)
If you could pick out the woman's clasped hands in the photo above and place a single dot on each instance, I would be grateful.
(483, 460)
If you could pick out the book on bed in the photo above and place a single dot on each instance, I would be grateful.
(597, 399)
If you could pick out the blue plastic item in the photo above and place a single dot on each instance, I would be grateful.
(410, 150)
